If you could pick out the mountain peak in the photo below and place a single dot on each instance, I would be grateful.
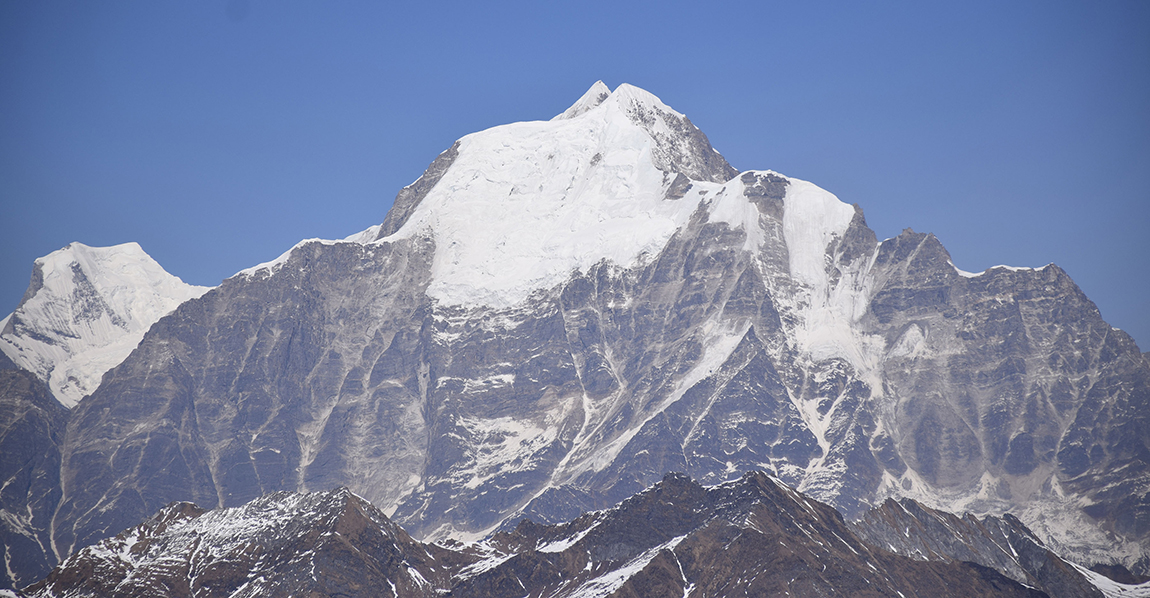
(637, 96)
(517, 207)
(85, 309)
(630, 98)
(592, 98)
(281, 544)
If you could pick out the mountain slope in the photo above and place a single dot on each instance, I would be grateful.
(558, 313)
(324, 544)
(32, 426)
(750, 537)
(1003, 544)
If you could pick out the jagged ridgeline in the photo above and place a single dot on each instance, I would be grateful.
(553, 317)
(750, 537)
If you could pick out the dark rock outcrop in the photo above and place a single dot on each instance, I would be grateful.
(754, 536)
(324, 544)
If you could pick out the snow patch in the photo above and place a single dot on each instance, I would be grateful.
(910, 344)
(965, 274)
(492, 561)
(606, 585)
(502, 445)
(1111, 588)
(730, 205)
(565, 543)
(813, 221)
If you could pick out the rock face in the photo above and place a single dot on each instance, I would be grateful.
(559, 313)
(1000, 543)
(32, 428)
(753, 536)
(275, 380)
(1012, 394)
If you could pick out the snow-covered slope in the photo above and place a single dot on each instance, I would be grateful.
(523, 205)
(85, 310)
(1113, 589)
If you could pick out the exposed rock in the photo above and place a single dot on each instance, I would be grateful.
(32, 427)
(754, 536)
(1000, 543)
(324, 544)
(410, 196)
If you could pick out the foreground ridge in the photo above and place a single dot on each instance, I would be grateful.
(753, 536)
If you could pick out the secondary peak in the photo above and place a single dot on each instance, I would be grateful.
(592, 98)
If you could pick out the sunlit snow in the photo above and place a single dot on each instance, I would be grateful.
(92, 309)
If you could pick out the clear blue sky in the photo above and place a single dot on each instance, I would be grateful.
(217, 134)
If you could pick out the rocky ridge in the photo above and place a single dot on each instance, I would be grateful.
(753, 536)
(1001, 543)
(32, 427)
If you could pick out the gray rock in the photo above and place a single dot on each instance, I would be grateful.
(409, 197)
(287, 381)
(1001, 543)
(32, 427)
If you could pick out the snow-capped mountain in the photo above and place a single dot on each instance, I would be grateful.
(750, 537)
(85, 310)
(556, 314)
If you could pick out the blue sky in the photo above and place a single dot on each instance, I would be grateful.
(219, 133)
